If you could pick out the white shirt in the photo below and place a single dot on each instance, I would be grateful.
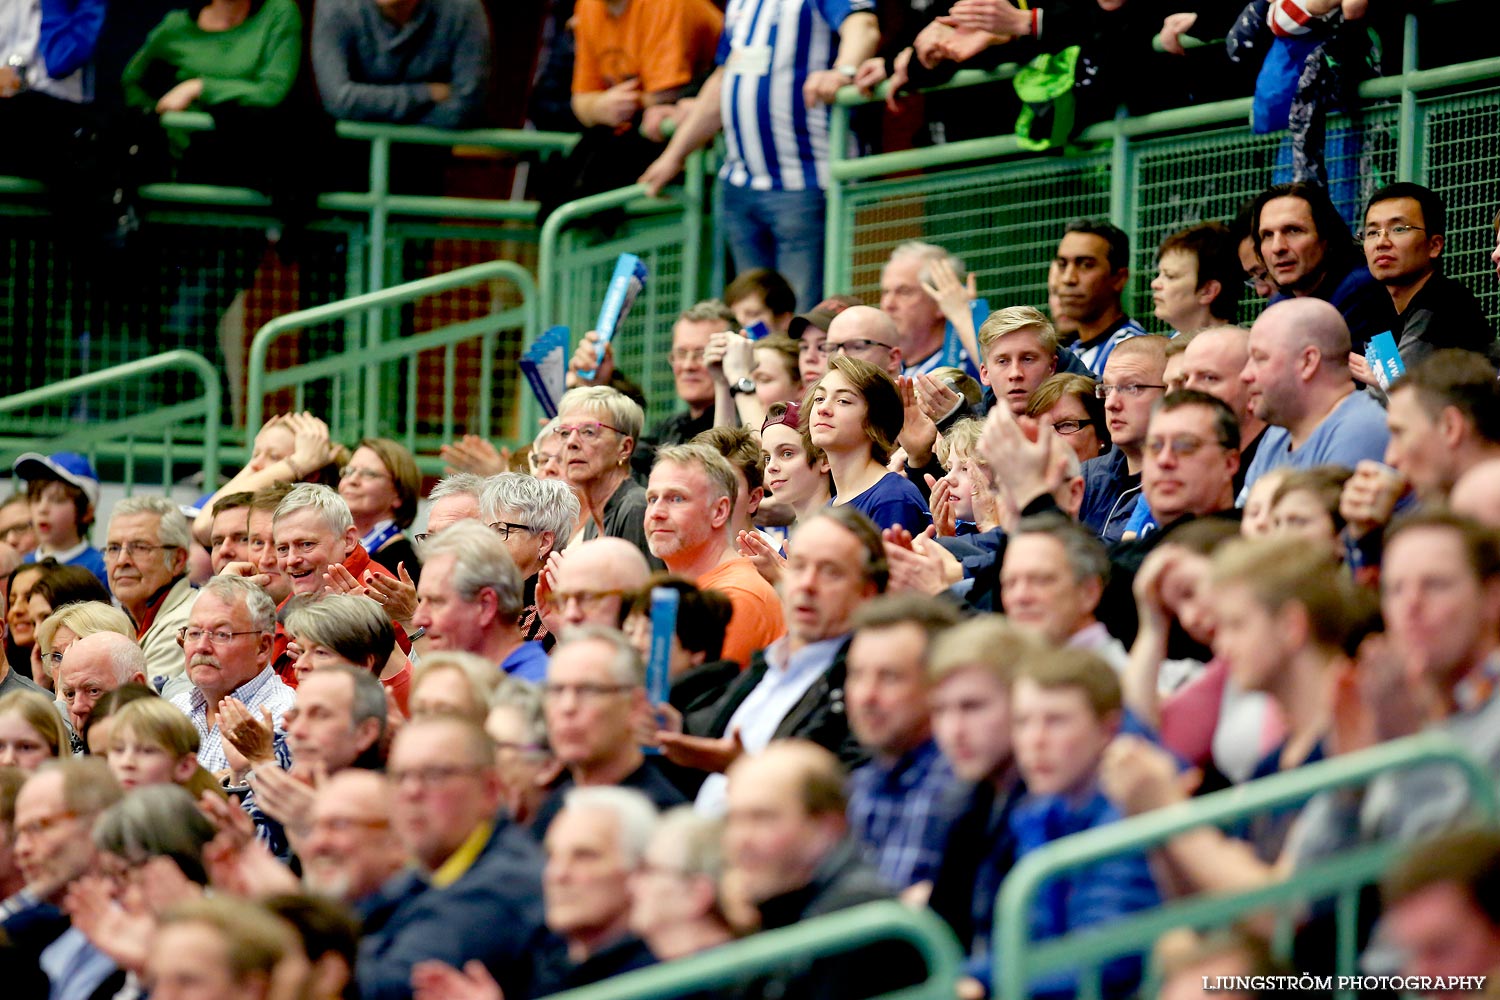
(787, 679)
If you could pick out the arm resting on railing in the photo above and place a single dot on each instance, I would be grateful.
(699, 127)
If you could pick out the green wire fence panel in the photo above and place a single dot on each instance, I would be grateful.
(882, 925)
(416, 362)
(146, 445)
(1461, 145)
(1340, 877)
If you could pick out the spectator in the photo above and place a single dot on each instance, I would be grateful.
(221, 945)
(689, 501)
(20, 630)
(970, 669)
(350, 849)
(751, 375)
(796, 469)
(1192, 454)
(227, 643)
(417, 62)
(1076, 410)
(535, 518)
(58, 586)
(920, 325)
(146, 553)
(473, 890)
(740, 447)
(63, 490)
(854, 414)
(1020, 352)
(1066, 708)
(229, 531)
(381, 485)
(595, 689)
(1442, 909)
(599, 428)
(350, 630)
(761, 295)
(31, 731)
(314, 531)
(897, 801)
(1132, 383)
(594, 847)
(95, 735)
(1215, 358)
(1404, 234)
(810, 331)
(1308, 253)
(523, 757)
(787, 837)
(264, 568)
(12, 679)
(152, 743)
(16, 529)
(1298, 375)
(835, 562)
(1175, 375)
(1444, 419)
(773, 180)
(289, 448)
(1198, 281)
(589, 582)
(674, 894)
(698, 673)
(454, 683)
(1257, 278)
(1306, 506)
(95, 665)
(1090, 270)
(71, 622)
(473, 603)
(1052, 579)
(867, 334)
(455, 498)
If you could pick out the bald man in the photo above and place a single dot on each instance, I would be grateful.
(92, 667)
(1299, 382)
(588, 581)
(868, 334)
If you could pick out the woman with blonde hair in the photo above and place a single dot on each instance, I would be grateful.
(152, 743)
(31, 730)
(72, 622)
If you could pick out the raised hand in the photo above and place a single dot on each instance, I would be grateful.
(472, 453)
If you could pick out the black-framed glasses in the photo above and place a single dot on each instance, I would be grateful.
(133, 549)
(1071, 426)
(855, 345)
(504, 528)
(1376, 232)
(1182, 446)
(1134, 391)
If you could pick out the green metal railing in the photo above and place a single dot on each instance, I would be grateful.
(1018, 960)
(360, 402)
(835, 934)
(1001, 208)
(164, 435)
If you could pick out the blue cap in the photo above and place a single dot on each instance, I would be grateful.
(67, 466)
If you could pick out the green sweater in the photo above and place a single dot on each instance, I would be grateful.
(253, 65)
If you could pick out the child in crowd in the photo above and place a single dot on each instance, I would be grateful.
(63, 490)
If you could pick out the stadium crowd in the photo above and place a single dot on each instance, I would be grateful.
(952, 585)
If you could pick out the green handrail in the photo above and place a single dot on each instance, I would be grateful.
(368, 356)
(1017, 960)
(766, 952)
(92, 437)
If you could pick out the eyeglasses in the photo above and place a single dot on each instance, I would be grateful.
(1181, 447)
(684, 355)
(588, 431)
(583, 692)
(133, 549)
(1133, 391)
(218, 637)
(587, 599)
(505, 528)
(856, 345)
(15, 531)
(348, 824)
(350, 472)
(1071, 426)
(433, 774)
(1369, 235)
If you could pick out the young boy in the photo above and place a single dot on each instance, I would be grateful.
(1065, 710)
(62, 490)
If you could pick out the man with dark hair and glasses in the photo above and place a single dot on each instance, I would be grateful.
(1403, 236)
(1133, 380)
(1191, 454)
(473, 602)
(594, 692)
(146, 559)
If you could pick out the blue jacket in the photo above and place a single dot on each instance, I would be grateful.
(1086, 897)
(493, 912)
(1109, 496)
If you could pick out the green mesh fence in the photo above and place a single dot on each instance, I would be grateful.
(641, 345)
(1460, 148)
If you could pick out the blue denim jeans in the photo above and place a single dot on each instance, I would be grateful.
(782, 230)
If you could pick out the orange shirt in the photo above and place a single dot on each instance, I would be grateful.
(756, 621)
(663, 43)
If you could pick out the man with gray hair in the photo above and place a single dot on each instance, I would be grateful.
(92, 667)
(455, 498)
(534, 518)
(594, 693)
(689, 501)
(227, 644)
(469, 600)
(314, 531)
(916, 313)
(1052, 579)
(146, 558)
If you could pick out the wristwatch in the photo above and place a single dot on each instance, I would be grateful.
(743, 387)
